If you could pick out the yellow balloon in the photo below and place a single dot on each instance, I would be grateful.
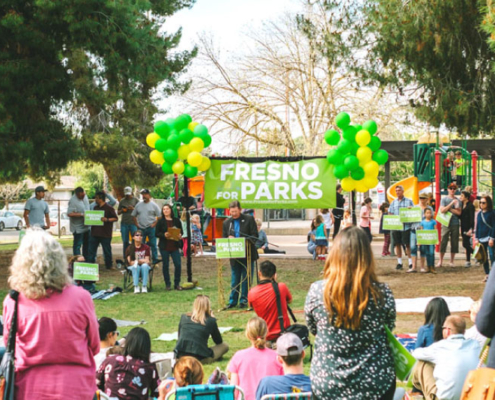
(178, 167)
(363, 137)
(371, 168)
(192, 125)
(361, 186)
(364, 154)
(205, 164)
(370, 182)
(348, 184)
(183, 151)
(156, 157)
(194, 159)
(196, 144)
(151, 139)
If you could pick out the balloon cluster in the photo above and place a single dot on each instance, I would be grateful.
(178, 144)
(357, 156)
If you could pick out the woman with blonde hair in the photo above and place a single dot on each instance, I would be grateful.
(249, 366)
(195, 330)
(347, 312)
(57, 329)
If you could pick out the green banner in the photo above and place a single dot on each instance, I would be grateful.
(231, 248)
(444, 219)
(86, 272)
(93, 218)
(425, 236)
(404, 361)
(410, 214)
(392, 223)
(270, 184)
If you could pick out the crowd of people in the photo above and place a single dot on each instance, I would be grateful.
(346, 311)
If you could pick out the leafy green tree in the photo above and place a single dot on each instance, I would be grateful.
(94, 67)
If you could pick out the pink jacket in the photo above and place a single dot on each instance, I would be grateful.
(57, 337)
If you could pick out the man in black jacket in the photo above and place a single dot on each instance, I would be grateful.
(338, 212)
(243, 226)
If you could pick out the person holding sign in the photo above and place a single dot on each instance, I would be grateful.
(467, 225)
(401, 237)
(452, 205)
(138, 259)
(102, 234)
(169, 245)
(423, 205)
(485, 231)
(428, 250)
(240, 225)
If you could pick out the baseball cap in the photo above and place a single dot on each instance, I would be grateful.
(40, 189)
(127, 190)
(423, 196)
(452, 186)
(289, 344)
(144, 191)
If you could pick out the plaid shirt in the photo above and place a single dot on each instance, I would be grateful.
(397, 205)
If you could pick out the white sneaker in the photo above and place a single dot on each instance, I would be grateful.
(136, 289)
(144, 289)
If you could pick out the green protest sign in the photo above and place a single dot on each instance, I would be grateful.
(271, 184)
(93, 218)
(392, 223)
(444, 219)
(86, 272)
(410, 214)
(403, 360)
(425, 236)
(231, 248)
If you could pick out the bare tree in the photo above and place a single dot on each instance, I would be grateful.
(12, 192)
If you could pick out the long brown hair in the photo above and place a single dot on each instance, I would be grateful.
(350, 275)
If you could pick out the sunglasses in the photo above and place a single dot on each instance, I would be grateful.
(482, 202)
(137, 234)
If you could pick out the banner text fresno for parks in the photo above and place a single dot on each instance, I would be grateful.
(270, 184)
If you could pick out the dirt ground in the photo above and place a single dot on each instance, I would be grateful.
(300, 273)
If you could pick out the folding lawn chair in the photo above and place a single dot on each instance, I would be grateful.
(301, 396)
(128, 281)
(206, 392)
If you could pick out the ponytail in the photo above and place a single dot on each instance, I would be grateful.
(256, 331)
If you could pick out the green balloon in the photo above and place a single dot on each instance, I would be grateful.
(161, 145)
(357, 174)
(349, 133)
(358, 127)
(332, 137)
(200, 130)
(344, 146)
(162, 128)
(167, 168)
(370, 126)
(340, 171)
(335, 157)
(374, 143)
(206, 139)
(170, 122)
(342, 120)
(180, 123)
(173, 141)
(186, 135)
(354, 148)
(187, 118)
(351, 162)
(170, 156)
(380, 156)
(190, 172)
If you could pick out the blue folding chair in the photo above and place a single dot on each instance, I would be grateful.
(285, 396)
(206, 392)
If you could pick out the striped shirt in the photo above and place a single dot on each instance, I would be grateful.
(397, 205)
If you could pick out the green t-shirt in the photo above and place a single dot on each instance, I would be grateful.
(459, 165)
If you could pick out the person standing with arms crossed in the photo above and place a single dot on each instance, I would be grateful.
(127, 225)
(145, 215)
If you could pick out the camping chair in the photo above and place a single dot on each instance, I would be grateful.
(128, 281)
(206, 392)
(302, 396)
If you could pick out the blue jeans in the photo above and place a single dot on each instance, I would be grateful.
(489, 257)
(143, 270)
(177, 266)
(413, 243)
(125, 229)
(81, 240)
(149, 233)
(106, 244)
(239, 280)
(428, 251)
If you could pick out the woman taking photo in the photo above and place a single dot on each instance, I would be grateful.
(195, 330)
(131, 375)
(365, 217)
(138, 259)
(485, 231)
(57, 330)
(347, 312)
(168, 246)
